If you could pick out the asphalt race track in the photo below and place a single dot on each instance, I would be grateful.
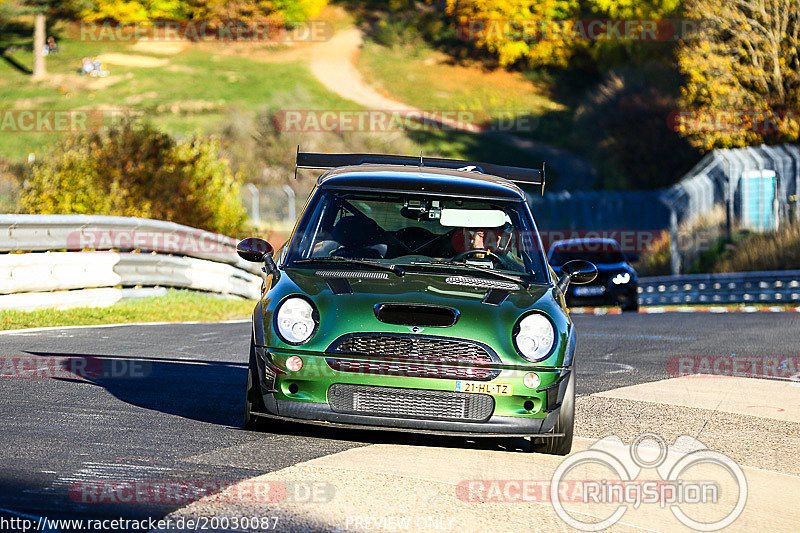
(165, 404)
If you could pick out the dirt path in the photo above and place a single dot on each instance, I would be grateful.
(333, 64)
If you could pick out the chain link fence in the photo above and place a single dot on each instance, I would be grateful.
(273, 205)
(755, 188)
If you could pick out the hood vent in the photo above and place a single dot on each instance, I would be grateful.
(352, 274)
(482, 283)
(416, 315)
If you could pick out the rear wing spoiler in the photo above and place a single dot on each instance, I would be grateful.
(518, 175)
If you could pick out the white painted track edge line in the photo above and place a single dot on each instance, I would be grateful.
(121, 324)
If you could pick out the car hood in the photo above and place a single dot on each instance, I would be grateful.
(341, 314)
(613, 267)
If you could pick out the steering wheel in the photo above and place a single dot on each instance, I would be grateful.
(475, 251)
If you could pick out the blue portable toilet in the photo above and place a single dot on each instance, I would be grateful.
(758, 188)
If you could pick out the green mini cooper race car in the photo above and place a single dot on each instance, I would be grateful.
(414, 294)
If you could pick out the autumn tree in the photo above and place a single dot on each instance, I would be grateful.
(510, 29)
(255, 10)
(742, 70)
(556, 32)
(134, 11)
(41, 10)
(205, 10)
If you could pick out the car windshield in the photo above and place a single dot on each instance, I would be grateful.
(420, 231)
(598, 252)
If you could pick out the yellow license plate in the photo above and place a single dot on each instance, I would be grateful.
(476, 387)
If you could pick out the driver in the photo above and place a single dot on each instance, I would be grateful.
(493, 239)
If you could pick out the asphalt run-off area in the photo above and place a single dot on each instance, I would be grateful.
(144, 421)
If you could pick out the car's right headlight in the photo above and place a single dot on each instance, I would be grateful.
(534, 337)
(296, 320)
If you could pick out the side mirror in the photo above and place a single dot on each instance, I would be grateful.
(576, 271)
(632, 257)
(254, 249)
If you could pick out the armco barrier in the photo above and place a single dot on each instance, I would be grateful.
(146, 253)
(34, 233)
(781, 286)
(39, 272)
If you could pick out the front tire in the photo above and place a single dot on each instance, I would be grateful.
(253, 401)
(633, 304)
(565, 423)
(632, 307)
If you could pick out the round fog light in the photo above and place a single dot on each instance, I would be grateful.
(294, 363)
(530, 380)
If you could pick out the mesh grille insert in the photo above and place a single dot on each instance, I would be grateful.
(410, 403)
(422, 349)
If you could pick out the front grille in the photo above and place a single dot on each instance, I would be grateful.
(410, 403)
(422, 349)
(412, 370)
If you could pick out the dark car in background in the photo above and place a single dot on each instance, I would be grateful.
(616, 282)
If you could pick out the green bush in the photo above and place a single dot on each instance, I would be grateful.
(133, 169)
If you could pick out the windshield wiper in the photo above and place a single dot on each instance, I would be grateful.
(473, 268)
(399, 271)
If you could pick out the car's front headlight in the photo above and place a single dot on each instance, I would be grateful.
(622, 278)
(296, 320)
(534, 337)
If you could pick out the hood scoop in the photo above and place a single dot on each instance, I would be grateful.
(495, 297)
(416, 315)
(339, 285)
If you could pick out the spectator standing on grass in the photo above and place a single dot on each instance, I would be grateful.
(52, 46)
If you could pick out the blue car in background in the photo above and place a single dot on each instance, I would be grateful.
(616, 282)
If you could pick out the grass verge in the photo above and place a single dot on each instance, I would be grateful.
(177, 306)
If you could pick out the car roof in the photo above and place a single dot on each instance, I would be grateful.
(425, 180)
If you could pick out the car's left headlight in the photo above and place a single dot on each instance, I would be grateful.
(296, 320)
(534, 337)
(622, 278)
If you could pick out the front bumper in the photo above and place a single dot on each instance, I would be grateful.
(304, 396)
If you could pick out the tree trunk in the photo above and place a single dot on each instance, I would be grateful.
(39, 71)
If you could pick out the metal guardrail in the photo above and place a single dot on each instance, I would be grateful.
(83, 270)
(145, 253)
(782, 286)
(34, 233)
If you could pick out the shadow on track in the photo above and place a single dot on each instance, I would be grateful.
(213, 392)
